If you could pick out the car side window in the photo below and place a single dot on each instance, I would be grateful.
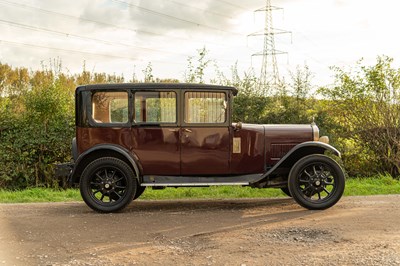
(155, 107)
(205, 107)
(110, 107)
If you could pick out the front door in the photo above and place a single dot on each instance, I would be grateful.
(205, 134)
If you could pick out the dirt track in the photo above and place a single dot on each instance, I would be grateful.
(357, 231)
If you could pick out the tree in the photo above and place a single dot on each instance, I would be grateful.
(195, 72)
(366, 103)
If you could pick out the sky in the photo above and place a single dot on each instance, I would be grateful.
(123, 36)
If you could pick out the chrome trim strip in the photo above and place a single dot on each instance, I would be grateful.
(194, 184)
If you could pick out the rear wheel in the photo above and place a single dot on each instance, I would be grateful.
(139, 191)
(316, 182)
(108, 184)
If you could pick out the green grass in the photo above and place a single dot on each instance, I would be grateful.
(39, 195)
(380, 185)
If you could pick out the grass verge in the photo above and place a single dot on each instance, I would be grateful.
(381, 185)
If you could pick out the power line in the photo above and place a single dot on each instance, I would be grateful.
(150, 11)
(13, 43)
(235, 5)
(116, 26)
(66, 50)
(66, 34)
(200, 9)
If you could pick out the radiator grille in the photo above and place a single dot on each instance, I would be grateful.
(279, 150)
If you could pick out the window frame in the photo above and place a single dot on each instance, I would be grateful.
(94, 123)
(163, 124)
(227, 111)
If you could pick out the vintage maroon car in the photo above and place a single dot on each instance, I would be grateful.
(133, 136)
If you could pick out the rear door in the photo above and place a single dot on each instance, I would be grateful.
(155, 131)
(205, 133)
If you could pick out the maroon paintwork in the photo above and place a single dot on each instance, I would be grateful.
(185, 149)
(200, 150)
(280, 139)
(127, 140)
(205, 151)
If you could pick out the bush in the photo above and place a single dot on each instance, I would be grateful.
(366, 103)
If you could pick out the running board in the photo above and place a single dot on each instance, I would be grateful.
(197, 181)
(192, 184)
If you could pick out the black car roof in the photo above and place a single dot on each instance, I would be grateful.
(149, 86)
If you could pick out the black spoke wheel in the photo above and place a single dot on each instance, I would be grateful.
(108, 184)
(316, 182)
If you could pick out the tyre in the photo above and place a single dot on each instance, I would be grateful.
(139, 191)
(316, 182)
(108, 185)
(286, 191)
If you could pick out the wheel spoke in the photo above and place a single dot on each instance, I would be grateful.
(95, 184)
(305, 171)
(308, 191)
(95, 192)
(102, 197)
(119, 179)
(99, 176)
(327, 192)
(329, 181)
(113, 174)
(304, 181)
(119, 196)
(315, 171)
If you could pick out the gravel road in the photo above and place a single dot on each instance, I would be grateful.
(357, 231)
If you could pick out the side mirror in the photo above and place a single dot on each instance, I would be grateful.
(238, 126)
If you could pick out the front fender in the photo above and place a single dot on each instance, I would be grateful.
(297, 152)
(100, 151)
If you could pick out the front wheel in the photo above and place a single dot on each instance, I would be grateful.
(108, 184)
(286, 191)
(316, 182)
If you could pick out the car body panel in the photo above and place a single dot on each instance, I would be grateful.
(185, 149)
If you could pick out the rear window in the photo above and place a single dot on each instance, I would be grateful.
(110, 107)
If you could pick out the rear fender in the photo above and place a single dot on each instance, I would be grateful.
(106, 150)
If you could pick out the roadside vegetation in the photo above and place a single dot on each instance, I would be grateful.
(360, 113)
(380, 185)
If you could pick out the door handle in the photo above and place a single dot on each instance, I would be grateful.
(187, 130)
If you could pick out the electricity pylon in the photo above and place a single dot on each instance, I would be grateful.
(269, 78)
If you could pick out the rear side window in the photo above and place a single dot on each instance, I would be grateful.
(205, 107)
(110, 107)
(155, 107)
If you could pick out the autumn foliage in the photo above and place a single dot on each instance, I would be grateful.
(360, 113)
